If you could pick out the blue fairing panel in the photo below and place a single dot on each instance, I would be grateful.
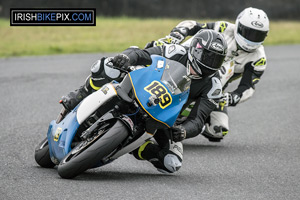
(60, 136)
(143, 79)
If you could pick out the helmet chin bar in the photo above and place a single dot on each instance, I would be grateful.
(189, 74)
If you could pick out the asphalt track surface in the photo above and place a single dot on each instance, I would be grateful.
(258, 159)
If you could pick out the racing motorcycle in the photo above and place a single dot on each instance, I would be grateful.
(116, 119)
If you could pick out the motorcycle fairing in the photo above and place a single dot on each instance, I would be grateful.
(90, 104)
(143, 79)
(60, 136)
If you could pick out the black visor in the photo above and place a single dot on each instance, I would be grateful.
(251, 34)
(209, 59)
(200, 69)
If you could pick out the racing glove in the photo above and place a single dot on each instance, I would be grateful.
(178, 133)
(178, 34)
(173, 38)
(121, 61)
(155, 43)
(232, 98)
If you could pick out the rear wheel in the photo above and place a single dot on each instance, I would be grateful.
(89, 153)
(42, 155)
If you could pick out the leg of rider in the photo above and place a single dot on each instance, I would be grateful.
(218, 125)
(100, 75)
(166, 156)
(71, 100)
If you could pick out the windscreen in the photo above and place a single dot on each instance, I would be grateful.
(175, 77)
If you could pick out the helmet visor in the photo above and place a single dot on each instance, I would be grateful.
(251, 34)
(209, 59)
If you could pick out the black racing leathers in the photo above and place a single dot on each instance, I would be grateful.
(198, 91)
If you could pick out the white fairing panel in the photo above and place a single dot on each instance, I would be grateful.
(91, 103)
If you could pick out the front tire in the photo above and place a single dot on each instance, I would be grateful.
(42, 155)
(88, 153)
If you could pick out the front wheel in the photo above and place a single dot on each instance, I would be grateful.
(88, 153)
(42, 155)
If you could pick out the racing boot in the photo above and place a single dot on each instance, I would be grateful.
(165, 160)
(137, 153)
(71, 100)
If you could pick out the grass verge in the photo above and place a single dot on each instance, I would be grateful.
(110, 35)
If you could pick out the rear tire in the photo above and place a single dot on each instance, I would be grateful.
(88, 154)
(42, 155)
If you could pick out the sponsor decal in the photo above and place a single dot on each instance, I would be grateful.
(104, 89)
(160, 64)
(157, 89)
(52, 17)
(260, 62)
(57, 134)
(217, 46)
(257, 24)
(128, 121)
(223, 26)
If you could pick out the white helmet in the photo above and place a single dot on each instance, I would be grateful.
(252, 26)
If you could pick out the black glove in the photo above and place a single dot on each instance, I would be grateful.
(176, 37)
(149, 45)
(157, 43)
(121, 61)
(233, 98)
(178, 133)
(172, 38)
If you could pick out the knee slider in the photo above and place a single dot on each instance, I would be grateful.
(172, 163)
(173, 159)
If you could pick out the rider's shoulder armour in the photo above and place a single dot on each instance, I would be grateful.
(216, 89)
(171, 50)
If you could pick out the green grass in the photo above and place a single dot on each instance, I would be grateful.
(110, 35)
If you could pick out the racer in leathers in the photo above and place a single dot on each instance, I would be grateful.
(245, 53)
(202, 58)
